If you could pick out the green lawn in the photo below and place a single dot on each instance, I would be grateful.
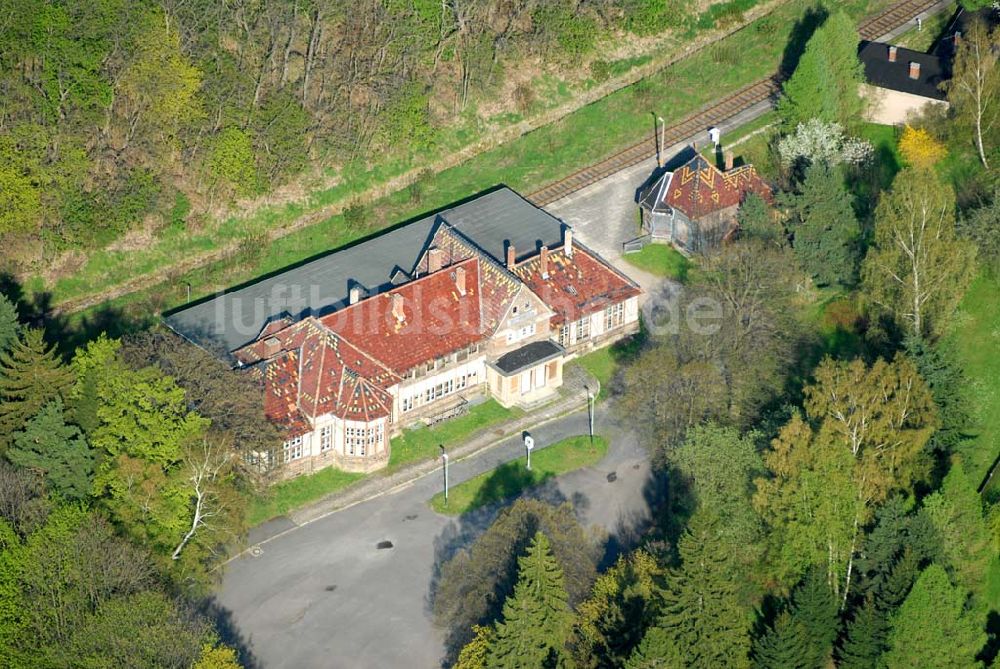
(976, 335)
(422, 443)
(661, 260)
(289, 495)
(526, 163)
(511, 479)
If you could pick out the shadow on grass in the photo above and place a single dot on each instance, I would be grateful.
(229, 633)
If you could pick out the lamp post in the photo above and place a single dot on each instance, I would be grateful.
(444, 459)
(590, 412)
(660, 147)
(529, 443)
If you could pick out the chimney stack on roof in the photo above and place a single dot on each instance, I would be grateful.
(568, 241)
(543, 262)
(271, 345)
(511, 255)
(914, 70)
(435, 259)
(892, 53)
(730, 159)
(354, 296)
(460, 280)
(397, 307)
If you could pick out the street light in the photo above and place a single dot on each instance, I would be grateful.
(444, 459)
(660, 148)
(590, 411)
(529, 443)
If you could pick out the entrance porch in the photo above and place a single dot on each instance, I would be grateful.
(526, 375)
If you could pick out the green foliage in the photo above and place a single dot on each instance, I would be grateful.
(611, 623)
(569, 27)
(232, 161)
(648, 17)
(20, 202)
(702, 618)
(939, 367)
(865, 438)
(10, 327)
(755, 221)
(826, 231)
(408, 120)
(476, 581)
(536, 617)
(784, 645)
(865, 640)
(825, 82)
(956, 512)
(180, 211)
(917, 270)
(932, 627)
(981, 226)
(58, 450)
(31, 376)
(661, 260)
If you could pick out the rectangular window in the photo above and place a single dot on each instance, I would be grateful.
(614, 316)
(407, 404)
(564, 335)
(292, 449)
(583, 328)
(522, 333)
(325, 438)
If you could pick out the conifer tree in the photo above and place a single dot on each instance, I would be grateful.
(932, 628)
(947, 383)
(824, 226)
(10, 328)
(31, 375)
(536, 617)
(58, 450)
(825, 84)
(784, 646)
(956, 512)
(815, 607)
(865, 640)
(702, 616)
(476, 653)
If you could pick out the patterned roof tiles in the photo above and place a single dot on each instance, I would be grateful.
(699, 188)
(576, 286)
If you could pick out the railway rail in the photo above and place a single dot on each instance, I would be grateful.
(768, 88)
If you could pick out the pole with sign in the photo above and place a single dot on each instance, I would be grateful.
(529, 443)
(444, 459)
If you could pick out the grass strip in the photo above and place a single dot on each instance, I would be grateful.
(512, 478)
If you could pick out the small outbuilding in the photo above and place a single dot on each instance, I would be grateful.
(900, 82)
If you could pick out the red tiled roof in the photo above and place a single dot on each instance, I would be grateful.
(576, 286)
(438, 320)
(311, 371)
(699, 188)
(499, 287)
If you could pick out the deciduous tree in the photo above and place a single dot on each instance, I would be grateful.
(917, 270)
(974, 87)
(871, 426)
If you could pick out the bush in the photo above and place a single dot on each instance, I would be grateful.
(524, 98)
(648, 17)
(356, 216)
(600, 70)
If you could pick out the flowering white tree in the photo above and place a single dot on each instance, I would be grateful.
(822, 141)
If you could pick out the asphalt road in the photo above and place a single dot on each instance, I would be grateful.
(324, 595)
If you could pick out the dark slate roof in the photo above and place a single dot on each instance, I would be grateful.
(896, 76)
(528, 355)
(230, 320)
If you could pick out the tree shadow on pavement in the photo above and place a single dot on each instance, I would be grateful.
(229, 633)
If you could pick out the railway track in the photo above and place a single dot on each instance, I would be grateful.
(710, 115)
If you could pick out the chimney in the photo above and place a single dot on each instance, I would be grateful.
(355, 294)
(730, 159)
(271, 345)
(914, 70)
(892, 53)
(435, 259)
(694, 146)
(511, 256)
(543, 262)
(460, 280)
(568, 242)
(397, 307)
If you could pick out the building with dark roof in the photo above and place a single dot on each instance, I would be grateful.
(901, 82)
(412, 325)
(694, 207)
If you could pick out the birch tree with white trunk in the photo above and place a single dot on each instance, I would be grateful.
(974, 89)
